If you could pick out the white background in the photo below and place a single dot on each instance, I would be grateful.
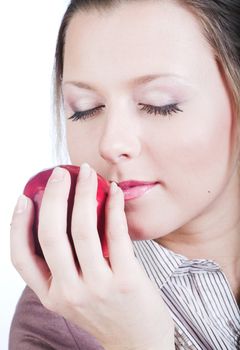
(28, 32)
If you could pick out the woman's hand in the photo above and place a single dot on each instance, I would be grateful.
(112, 299)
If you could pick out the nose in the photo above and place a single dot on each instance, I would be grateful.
(120, 139)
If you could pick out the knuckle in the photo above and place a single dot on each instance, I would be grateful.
(79, 230)
(101, 295)
(72, 298)
(115, 235)
(46, 239)
(112, 235)
(79, 235)
(79, 219)
(126, 286)
(20, 265)
(17, 262)
(104, 291)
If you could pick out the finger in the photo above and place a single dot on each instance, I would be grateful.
(84, 225)
(31, 267)
(121, 253)
(52, 229)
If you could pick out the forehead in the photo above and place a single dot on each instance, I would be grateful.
(134, 38)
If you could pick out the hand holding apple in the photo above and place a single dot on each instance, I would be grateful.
(35, 187)
(104, 296)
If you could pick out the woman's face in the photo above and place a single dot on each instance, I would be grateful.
(185, 147)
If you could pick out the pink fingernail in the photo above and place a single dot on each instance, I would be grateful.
(114, 187)
(57, 175)
(21, 205)
(85, 171)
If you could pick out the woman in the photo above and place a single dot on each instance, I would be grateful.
(150, 92)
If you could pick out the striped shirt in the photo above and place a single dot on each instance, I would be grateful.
(198, 295)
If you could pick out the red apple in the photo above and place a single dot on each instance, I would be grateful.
(34, 189)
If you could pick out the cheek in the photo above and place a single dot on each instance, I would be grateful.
(76, 143)
(199, 154)
(82, 143)
(72, 142)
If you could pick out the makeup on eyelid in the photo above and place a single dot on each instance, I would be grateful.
(151, 95)
(154, 98)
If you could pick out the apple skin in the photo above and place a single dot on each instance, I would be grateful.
(35, 187)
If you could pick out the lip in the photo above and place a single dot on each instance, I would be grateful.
(124, 185)
(135, 189)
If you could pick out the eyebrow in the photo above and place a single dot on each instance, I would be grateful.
(132, 83)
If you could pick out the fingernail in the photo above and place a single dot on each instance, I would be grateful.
(85, 171)
(114, 187)
(57, 175)
(21, 204)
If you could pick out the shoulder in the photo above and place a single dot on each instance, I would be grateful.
(34, 327)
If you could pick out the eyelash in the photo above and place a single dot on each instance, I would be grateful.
(164, 111)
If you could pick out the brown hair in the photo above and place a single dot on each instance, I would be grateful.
(221, 27)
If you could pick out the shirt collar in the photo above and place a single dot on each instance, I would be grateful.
(161, 263)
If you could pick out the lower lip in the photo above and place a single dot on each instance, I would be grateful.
(136, 191)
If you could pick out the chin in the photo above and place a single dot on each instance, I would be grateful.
(151, 226)
(142, 232)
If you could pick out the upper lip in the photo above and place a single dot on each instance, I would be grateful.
(131, 183)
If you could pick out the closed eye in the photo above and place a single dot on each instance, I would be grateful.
(163, 111)
(85, 114)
